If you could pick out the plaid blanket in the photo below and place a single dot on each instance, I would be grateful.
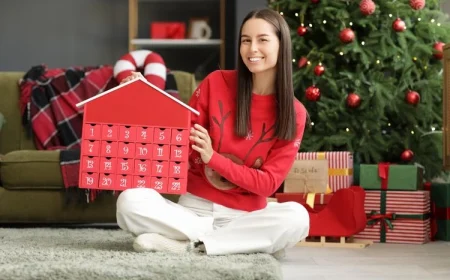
(47, 102)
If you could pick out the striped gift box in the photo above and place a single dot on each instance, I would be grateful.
(397, 217)
(340, 167)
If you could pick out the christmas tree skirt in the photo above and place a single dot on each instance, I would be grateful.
(45, 253)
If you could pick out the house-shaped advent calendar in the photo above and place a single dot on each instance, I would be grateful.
(135, 136)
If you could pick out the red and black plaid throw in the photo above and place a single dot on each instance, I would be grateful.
(48, 105)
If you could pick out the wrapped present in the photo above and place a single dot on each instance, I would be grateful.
(397, 217)
(168, 30)
(440, 208)
(340, 167)
(315, 201)
(396, 177)
(307, 176)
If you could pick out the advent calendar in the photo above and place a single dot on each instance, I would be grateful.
(135, 136)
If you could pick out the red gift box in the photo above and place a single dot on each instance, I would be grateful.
(320, 200)
(397, 217)
(168, 30)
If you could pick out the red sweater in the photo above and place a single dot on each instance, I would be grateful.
(243, 171)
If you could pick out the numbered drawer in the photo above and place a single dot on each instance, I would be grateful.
(143, 151)
(142, 167)
(90, 164)
(177, 169)
(89, 180)
(177, 185)
(109, 149)
(161, 135)
(180, 137)
(159, 184)
(124, 181)
(125, 166)
(107, 181)
(108, 165)
(127, 133)
(90, 148)
(110, 132)
(141, 182)
(160, 168)
(179, 153)
(92, 131)
(144, 134)
(161, 152)
(125, 150)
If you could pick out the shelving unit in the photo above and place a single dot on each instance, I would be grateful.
(136, 43)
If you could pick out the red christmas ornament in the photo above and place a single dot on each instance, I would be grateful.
(302, 62)
(315, 1)
(438, 46)
(347, 35)
(353, 100)
(417, 4)
(301, 30)
(319, 70)
(367, 7)
(412, 98)
(398, 25)
(312, 93)
(407, 155)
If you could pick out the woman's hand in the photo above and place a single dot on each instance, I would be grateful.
(134, 75)
(202, 142)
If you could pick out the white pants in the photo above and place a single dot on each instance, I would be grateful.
(222, 230)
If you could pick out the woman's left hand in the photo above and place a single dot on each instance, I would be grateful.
(202, 142)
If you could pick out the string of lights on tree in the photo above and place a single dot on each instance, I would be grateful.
(347, 36)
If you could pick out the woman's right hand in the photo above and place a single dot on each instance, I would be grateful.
(133, 76)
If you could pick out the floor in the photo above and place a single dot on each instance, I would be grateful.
(378, 261)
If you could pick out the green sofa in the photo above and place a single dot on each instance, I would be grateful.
(32, 189)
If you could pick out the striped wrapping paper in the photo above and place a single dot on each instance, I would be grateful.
(408, 212)
(340, 167)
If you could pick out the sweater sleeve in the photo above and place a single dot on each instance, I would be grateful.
(199, 101)
(266, 180)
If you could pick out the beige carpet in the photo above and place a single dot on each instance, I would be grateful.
(60, 253)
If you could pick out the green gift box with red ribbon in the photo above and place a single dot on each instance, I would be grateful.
(440, 210)
(386, 176)
(397, 217)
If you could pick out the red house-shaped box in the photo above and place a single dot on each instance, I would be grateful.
(135, 136)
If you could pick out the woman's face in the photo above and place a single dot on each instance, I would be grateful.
(259, 46)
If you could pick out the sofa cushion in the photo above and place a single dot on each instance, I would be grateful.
(31, 169)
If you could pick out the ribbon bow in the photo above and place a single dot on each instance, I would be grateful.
(375, 217)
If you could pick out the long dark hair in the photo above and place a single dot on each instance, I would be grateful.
(285, 125)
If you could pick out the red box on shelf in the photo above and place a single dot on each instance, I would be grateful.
(146, 145)
(167, 30)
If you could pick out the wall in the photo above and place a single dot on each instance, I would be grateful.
(63, 33)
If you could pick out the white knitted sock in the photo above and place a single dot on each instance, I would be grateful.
(153, 242)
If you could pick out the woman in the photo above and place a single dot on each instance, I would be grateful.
(243, 145)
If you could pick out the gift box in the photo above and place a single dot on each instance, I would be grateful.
(440, 208)
(315, 201)
(168, 30)
(307, 176)
(397, 217)
(340, 167)
(385, 176)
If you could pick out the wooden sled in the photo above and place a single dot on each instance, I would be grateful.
(334, 242)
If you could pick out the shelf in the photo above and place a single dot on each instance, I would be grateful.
(176, 42)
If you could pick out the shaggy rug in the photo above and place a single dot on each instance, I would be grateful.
(61, 253)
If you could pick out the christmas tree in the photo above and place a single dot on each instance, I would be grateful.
(370, 75)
